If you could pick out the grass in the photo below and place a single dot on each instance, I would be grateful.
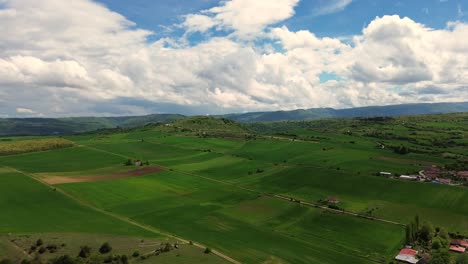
(33, 207)
(326, 158)
(25, 146)
(239, 223)
(64, 160)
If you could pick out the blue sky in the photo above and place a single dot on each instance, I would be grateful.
(357, 14)
(122, 57)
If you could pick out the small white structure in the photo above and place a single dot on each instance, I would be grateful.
(385, 174)
(409, 177)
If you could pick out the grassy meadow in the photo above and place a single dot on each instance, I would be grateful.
(217, 189)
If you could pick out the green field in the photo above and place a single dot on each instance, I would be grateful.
(219, 190)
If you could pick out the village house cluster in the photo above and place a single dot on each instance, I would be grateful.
(432, 174)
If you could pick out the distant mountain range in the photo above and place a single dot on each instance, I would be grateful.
(63, 126)
(315, 113)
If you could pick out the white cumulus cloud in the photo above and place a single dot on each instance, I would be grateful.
(79, 58)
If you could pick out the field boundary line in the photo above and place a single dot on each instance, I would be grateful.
(123, 218)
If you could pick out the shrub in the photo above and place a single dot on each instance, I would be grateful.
(42, 250)
(207, 251)
(108, 259)
(85, 252)
(64, 260)
(124, 259)
(462, 259)
(167, 247)
(52, 248)
(105, 248)
(39, 242)
(436, 244)
(136, 254)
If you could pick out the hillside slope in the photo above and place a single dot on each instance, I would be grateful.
(64, 126)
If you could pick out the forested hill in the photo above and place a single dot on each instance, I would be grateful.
(60, 126)
(314, 113)
(63, 126)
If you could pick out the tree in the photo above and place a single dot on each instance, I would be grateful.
(440, 257)
(105, 248)
(416, 222)
(129, 162)
(85, 252)
(207, 251)
(408, 235)
(39, 242)
(436, 244)
(462, 259)
(6, 261)
(136, 254)
(427, 232)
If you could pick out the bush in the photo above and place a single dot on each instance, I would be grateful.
(39, 242)
(85, 252)
(136, 254)
(207, 251)
(167, 247)
(462, 259)
(25, 261)
(42, 250)
(64, 260)
(436, 244)
(108, 259)
(105, 248)
(6, 261)
(52, 248)
(124, 259)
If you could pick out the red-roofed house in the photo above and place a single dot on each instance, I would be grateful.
(459, 242)
(432, 172)
(407, 255)
(333, 200)
(457, 248)
(462, 174)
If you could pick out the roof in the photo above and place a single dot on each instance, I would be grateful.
(408, 251)
(457, 242)
(446, 181)
(463, 174)
(332, 199)
(457, 248)
(407, 258)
